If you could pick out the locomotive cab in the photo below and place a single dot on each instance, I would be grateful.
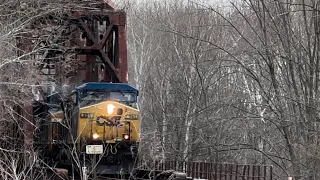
(100, 119)
(108, 112)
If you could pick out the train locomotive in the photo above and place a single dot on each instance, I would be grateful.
(96, 125)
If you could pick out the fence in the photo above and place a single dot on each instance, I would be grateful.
(212, 171)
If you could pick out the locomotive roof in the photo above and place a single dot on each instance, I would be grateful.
(107, 86)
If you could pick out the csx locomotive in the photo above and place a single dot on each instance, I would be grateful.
(97, 126)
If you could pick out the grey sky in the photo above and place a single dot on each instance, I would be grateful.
(214, 3)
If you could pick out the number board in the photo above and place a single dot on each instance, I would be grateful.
(94, 149)
(87, 115)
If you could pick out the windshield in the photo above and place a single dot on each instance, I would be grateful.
(54, 103)
(122, 97)
(93, 97)
(90, 98)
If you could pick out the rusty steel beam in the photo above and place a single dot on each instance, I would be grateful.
(106, 49)
(123, 56)
(118, 67)
(105, 37)
(111, 4)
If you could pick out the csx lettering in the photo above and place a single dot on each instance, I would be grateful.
(105, 121)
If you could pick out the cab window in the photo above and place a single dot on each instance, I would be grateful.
(122, 97)
(94, 97)
(91, 97)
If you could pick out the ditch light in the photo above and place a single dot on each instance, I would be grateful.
(126, 136)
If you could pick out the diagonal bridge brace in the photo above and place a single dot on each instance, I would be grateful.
(98, 46)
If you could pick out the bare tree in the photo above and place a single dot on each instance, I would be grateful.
(239, 85)
(27, 33)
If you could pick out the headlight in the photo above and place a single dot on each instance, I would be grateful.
(126, 136)
(95, 136)
(110, 109)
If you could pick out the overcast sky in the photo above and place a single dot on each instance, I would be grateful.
(214, 3)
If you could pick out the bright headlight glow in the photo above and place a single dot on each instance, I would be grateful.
(126, 136)
(95, 136)
(110, 108)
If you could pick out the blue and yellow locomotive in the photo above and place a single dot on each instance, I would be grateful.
(97, 126)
